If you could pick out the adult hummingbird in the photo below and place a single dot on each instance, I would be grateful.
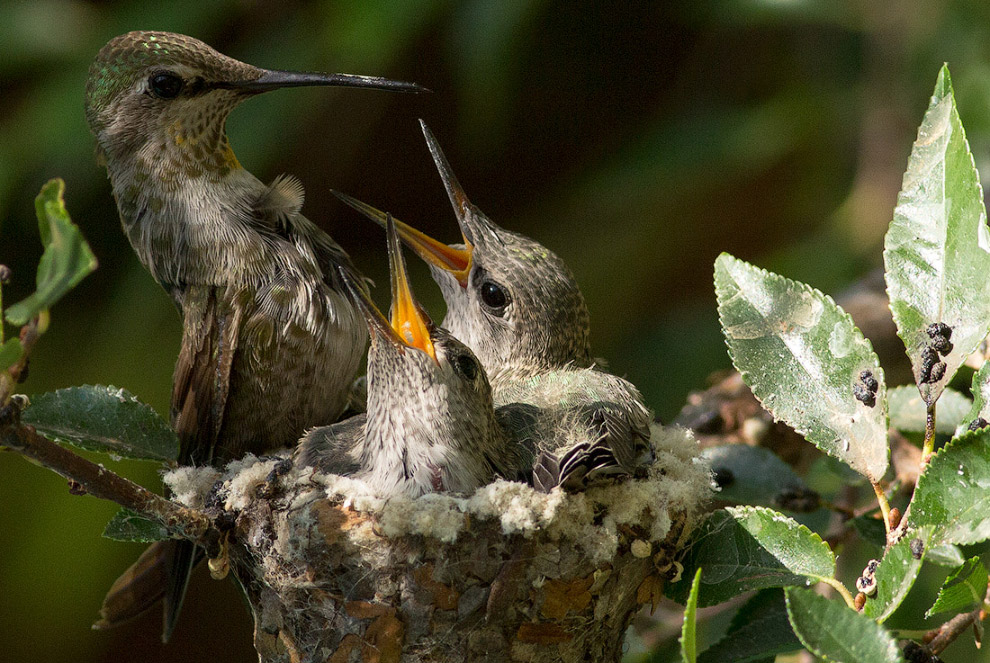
(517, 305)
(271, 342)
(430, 425)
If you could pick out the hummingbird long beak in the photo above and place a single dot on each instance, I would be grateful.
(410, 325)
(378, 325)
(455, 260)
(475, 226)
(409, 319)
(271, 79)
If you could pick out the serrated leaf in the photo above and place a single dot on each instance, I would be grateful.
(963, 590)
(803, 358)
(744, 548)
(937, 249)
(909, 413)
(833, 631)
(126, 525)
(952, 494)
(751, 475)
(10, 352)
(944, 554)
(896, 573)
(759, 631)
(689, 643)
(103, 418)
(981, 400)
(66, 260)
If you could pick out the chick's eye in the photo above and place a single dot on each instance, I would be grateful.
(467, 366)
(493, 296)
(165, 85)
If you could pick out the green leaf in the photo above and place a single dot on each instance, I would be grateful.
(803, 358)
(759, 631)
(834, 632)
(10, 352)
(937, 250)
(981, 400)
(103, 418)
(896, 574)
(66, 260)
(871, 529)
(909, 413)
(963, 590)
(689, 643)
(945, 554)
(744, 548)
(751, 475)
(952, 494)
(127, 525)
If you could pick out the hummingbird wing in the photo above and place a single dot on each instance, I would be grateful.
(200, 386)
(334, 449)
(201, 382)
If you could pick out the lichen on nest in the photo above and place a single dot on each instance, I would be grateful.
(678, 483)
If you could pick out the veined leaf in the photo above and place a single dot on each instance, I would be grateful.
(937, 250)
(66, 260)
(758, 632)
(102, 418)
(963, 590)
(832, 631)
(806, 361)
(896, 574)
(909, 413)
(751, 475)
(953, 493)
(744, 548)
(981, 401)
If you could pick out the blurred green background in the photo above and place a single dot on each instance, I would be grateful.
(637, 140)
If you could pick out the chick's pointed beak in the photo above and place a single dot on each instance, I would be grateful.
(449, 258)
(409, 320)
(378, 325)
(273, 80)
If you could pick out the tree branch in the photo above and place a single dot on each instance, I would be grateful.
(100, 482)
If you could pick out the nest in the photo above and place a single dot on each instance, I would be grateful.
(334, 573)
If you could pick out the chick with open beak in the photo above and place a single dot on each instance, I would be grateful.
(430, 424)
(518, 307)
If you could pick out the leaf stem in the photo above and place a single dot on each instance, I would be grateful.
(884, 508)
(841, 589)
(929, 446)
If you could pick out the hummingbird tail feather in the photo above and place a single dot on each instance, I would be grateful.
(181, 561)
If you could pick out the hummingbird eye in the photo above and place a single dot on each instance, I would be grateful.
(467, 366)
(165, 85)
(494, 297)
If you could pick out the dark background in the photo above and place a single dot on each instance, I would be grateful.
(637, 140)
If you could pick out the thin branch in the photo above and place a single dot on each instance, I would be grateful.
(30, 333)
(953, 628)
(943, 636)
(884, 508)
(100, 482)
(928, 447)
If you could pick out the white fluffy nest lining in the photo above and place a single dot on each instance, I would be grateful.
(679, 485)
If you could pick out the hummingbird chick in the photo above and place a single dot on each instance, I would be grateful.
(430, 425)
(270, 341)
(518, 307)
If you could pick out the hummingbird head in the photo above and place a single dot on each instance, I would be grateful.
(512, 300)
(427, 393)
(161, 95)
